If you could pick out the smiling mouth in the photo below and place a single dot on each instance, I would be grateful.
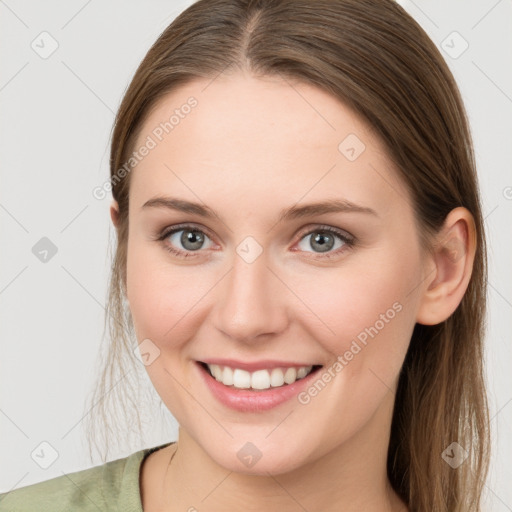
(258, 380)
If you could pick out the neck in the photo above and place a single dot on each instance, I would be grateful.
(349, 477)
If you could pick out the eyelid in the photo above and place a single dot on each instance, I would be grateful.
(178, 227)
(325, 227)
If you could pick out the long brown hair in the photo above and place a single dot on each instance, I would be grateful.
(377, 60)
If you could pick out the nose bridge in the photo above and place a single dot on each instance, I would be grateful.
(251, 301)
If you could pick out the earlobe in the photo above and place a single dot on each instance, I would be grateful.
(450, 268)
(114, 213)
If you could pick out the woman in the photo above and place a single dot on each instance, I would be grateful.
(301, 261)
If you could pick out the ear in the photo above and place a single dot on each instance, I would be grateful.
(114, 213)
(449, 269)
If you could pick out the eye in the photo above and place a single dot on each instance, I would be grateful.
(324, 240)
(185, 239)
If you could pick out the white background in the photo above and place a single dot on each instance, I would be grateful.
(57, 115)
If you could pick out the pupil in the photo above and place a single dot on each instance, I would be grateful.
(192, 237)
(321, 240)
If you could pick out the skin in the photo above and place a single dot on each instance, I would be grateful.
(252, 147)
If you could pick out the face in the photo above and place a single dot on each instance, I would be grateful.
(264, 286)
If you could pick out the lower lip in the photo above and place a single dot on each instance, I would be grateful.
(245, 400)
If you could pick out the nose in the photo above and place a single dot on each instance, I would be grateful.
(251, 301)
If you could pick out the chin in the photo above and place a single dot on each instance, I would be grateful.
(257, 458)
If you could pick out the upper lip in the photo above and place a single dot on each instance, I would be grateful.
(255, 365)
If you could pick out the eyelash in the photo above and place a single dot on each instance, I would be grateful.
(348, 242)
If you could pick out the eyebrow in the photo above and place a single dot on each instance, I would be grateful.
(293, 212)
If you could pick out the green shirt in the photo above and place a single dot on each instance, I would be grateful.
(113, 486)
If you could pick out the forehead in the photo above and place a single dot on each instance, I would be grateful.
(260, 137)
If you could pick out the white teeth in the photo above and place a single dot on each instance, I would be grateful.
(260, 379)
(301, 373)
(216, 371)
(276, 378)
(290, 376)
(227, 376)
(241, 379)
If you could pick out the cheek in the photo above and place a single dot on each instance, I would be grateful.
(149, 291)
(165, 299)
(371, 316)
(162, 299)
(367, 313)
